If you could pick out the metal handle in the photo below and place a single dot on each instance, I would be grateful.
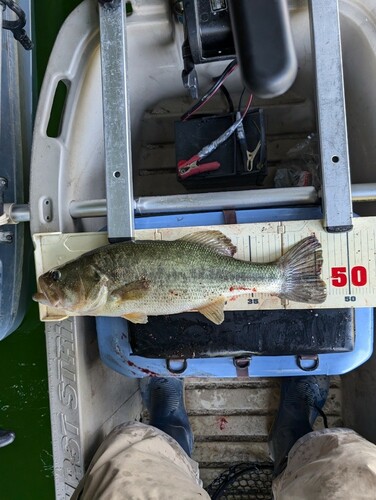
(176, 371)
(311, 368)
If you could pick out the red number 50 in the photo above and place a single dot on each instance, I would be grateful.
(358, 276)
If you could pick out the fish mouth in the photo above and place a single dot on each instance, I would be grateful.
(46, 296)
(43, 299)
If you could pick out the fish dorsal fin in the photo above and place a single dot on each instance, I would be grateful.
(216, 240)
(214, 311)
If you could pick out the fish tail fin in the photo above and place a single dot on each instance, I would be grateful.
(301, 267)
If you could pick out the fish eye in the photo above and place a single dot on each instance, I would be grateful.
(56, 275)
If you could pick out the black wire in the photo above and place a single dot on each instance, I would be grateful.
(240, 100)
(20, 22)
(227, 96)
(211, 91)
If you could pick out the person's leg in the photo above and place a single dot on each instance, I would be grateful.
(138, 461)
(331, 464)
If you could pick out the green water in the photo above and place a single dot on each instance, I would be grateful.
(26, 470)
(26, 464)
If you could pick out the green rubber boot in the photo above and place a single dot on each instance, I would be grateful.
(302, 400)
(164, 399)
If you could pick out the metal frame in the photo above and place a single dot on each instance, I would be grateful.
(201, 202)
(117, 134)
(331, 115)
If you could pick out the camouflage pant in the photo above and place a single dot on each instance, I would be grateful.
(139, 462)
(333, 464)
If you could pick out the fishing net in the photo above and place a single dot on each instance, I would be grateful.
(245, 481)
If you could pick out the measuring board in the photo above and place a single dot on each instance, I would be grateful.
(349, 259)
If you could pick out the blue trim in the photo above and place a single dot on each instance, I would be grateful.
(115, 352)
(217, 218)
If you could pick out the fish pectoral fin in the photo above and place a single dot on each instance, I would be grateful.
(131, 291)
(216, 240)
(214, 311)
(136, 317)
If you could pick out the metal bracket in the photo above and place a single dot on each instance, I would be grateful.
(176, 366)
(313, 362)
(242, 365)
(117, 134)
(331, 115)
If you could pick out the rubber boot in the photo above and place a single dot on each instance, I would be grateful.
(6, 437)
(164, 399)
(302, 399)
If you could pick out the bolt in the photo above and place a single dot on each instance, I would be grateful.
(3, 183)
(9, 237)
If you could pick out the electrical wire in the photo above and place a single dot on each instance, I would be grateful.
(211, 92)
(209, 148)
(240, 100)
(227, 96)
(239, 108)
(249, 102)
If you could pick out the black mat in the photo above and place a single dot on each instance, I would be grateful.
(277, 333)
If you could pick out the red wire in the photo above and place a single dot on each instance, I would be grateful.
(210, 96)
(249, 102)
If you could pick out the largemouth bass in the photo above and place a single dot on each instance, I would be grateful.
(197, 272)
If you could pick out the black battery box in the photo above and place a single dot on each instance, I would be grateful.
(267, 333)
(234, 171)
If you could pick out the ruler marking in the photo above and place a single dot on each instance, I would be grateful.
(364, 255)
(348, 262)
(371, 260)
(364, 259)
(250, 251)
(368, 260)
(269, 249)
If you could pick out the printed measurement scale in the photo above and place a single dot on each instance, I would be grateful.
(349, 259)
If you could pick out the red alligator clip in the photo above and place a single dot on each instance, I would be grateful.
(186, 168)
